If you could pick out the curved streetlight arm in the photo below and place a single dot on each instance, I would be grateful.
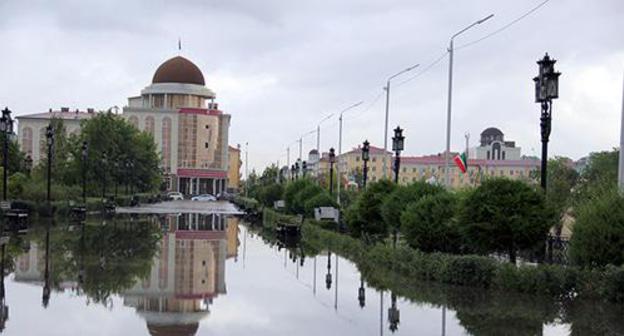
(403, 71)
(472, 25)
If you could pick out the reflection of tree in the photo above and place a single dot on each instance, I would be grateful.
(103, 258)
(115, 256)
(593, 318)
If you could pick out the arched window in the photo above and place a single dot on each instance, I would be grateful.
(134, 121)
(166, 143)
(149, 125)
(27, 140)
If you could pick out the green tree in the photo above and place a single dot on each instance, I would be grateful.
(304, 195)
(429, 224)
(397, 201)
(600, 175)
(270, 193)
(562, 178)
(291, 191)
(363, 217)
(598, 237)
(503, 215)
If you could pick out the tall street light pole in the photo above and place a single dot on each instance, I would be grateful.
(450, 94)
(6, 126)
(546, 89)
(387, 88)
(318, 131)
(338, 172)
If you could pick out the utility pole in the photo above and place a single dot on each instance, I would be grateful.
(621, 167)
(246, 169)
(449, 99)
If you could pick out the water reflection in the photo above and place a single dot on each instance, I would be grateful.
(167, 275)
(187, 273)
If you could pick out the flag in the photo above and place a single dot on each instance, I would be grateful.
(461, 161)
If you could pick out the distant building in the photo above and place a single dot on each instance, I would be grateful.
(234, 167)
(494, 147)
(189, 129)
(351, 164)
(31, 128)
(313, 163)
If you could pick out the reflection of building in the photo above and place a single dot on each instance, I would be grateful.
(187, 274)
(32, 128)
(234, 168)
(179, 111)
(30, 268)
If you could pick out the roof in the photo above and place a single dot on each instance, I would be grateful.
(439, 160)
(372, 151)
(233, 149)
(492, 131)
(313, 152)
(178, 70)
(64, 115)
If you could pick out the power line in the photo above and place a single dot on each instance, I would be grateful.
(521, 17)
(425, 69)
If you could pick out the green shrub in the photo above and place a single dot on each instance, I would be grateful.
(363, 217)
(291, 191)
(598, 237)
(322, 199)
(303, 196)
(270, 193)
(429, 224)
(401, 196)
(504, 215)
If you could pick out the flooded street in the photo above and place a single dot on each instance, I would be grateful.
(193, 274)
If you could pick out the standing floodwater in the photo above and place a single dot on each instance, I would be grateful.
(194, 274)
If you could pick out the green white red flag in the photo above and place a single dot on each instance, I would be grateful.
(461, 161)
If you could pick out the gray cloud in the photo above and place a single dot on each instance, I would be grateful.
(279, 66)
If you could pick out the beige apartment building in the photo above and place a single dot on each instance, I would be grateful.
(235, 163)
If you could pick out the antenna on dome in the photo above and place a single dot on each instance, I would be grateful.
(179, 45)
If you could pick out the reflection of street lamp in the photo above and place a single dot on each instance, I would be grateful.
(45, 296)
(365, 158)
(4, 309)
(362, 293)
(328, 276)
(546, 89)
(332, 159)
(6, 126)
(397, 146)
(393, 314)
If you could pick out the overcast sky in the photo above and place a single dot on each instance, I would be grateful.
(279, 67)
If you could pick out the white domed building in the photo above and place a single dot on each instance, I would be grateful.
(189, 129)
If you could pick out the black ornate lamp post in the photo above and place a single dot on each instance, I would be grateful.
(28, 164)
(332, 160)
(292, 172)
(6, 127)
(85, 155)
(304, 168)
(50, 143)
(365, 158)
(546, 89)
(297, 170)
(397, 146)
(104, 165)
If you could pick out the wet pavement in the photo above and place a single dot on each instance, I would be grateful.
(183, 206)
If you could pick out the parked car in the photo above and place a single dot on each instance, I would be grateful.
(225, 196)
(174, 196)
(204, 198)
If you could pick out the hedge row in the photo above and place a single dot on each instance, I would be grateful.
(476, 271)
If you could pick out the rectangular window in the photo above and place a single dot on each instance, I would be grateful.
(488, 155)
(205, 145)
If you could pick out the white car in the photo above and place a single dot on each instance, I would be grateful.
(204, 198)
(175, 196)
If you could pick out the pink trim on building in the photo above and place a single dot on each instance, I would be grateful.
(439, 160)
(203, 234)
(203, 173)
(191, 110)
(372, 150)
